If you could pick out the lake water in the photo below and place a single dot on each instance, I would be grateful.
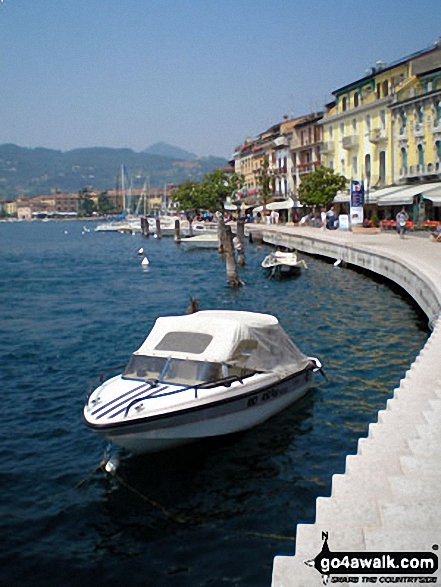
(75, 303)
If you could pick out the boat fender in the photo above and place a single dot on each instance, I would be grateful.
(111, 466)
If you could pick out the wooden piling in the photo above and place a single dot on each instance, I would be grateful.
(158, 228)
(226, 242)
(144, 226)
(177, 231)
(240, 242)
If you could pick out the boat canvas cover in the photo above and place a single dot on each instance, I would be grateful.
(244, 339)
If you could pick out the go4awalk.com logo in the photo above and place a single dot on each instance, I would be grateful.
(373, 567)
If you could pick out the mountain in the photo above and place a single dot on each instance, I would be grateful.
(166, 150)
(30, 172)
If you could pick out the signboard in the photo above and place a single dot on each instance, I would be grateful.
(357, 201)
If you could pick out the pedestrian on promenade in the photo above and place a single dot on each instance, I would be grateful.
(330, 218)
(402, 217)
(323, 219)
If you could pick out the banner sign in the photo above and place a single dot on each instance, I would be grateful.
(357, 201)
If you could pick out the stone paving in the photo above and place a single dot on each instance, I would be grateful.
(389, 498)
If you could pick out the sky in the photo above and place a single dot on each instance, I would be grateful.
(198, 74)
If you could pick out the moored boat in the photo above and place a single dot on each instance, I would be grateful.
(206, 374)
(202, 241)
(281, 264)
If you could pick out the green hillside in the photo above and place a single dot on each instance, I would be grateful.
(31, 172)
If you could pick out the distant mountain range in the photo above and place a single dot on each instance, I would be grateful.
(26, 172)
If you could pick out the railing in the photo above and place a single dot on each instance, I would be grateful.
(420, 169)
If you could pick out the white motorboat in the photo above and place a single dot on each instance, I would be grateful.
(201, 375)
(280, 263)
(202, 241)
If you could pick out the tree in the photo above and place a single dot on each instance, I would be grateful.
(189, 195)
(320, 187)
(210, 194)
(104, 203)
(86, 204)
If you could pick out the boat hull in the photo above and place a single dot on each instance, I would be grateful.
(226, 416)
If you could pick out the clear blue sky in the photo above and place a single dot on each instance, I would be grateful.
(199, 74)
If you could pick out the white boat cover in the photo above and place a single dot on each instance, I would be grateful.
(245, 339)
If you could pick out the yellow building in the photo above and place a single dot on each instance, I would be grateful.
(416, 118)
(357, 138)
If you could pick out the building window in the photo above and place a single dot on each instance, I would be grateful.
(368, 122)
(344, 104)
(403, 158)
(356, 99)
(438, 149)
(354, 124)
(378, 91)
(354, 166)
(331, 131)
(420, 154)
(403, 122)
(385, 88)
(420, 117)
(437, 112)
(367, 167)
(382, 166)
(342, 129)
(383, 118)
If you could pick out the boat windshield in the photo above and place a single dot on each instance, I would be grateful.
(179, 371)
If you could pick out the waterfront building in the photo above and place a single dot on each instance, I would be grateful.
(273, 145)
(305, 147)
(416, 122)
(357, 138)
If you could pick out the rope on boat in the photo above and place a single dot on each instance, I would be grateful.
(179, 519)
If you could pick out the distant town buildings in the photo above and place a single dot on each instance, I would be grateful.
(81, 203)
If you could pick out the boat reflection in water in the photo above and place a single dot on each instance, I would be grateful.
(201, 375)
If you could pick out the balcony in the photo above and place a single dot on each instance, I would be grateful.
(306, 167)
(327, 147)
(350, 142)
(421, 170)
(377, 135)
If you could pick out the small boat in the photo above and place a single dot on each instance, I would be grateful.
(281, 264)
(211, 373)
(202, 241)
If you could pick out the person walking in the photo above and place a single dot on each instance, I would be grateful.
(402, 217)
(330, 218)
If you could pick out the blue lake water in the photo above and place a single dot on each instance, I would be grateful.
(214, 513)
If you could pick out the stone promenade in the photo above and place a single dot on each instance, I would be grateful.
(389, 498)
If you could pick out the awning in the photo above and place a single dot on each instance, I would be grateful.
(283, 205)
(434, 194)
(405, 195)
(370, 197)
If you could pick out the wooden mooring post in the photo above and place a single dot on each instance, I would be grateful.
(145, 226)
(240, 242)
(177, 231)
(226, 241)
(158, 228)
